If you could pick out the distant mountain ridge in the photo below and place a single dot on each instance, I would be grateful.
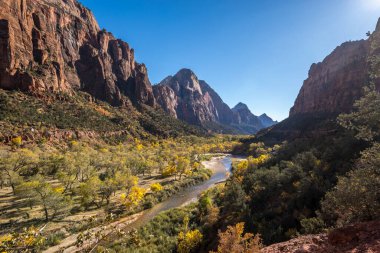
(186, 97)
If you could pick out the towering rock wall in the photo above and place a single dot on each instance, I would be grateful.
(334, 84)
(57, 46)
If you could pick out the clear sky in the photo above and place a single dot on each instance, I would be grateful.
(254, 51)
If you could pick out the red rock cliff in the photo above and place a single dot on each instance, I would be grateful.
(56, 45)
(334, 84)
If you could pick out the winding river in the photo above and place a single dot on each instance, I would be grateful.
(221, 168)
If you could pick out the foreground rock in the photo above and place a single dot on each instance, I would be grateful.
(362, 237)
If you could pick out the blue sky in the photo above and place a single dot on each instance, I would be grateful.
(250, 51)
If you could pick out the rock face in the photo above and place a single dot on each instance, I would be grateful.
(362, 237)
(266, 120)
(186, 97)
(57, 46)
(182, 97)
(243, 116)
(335, 83)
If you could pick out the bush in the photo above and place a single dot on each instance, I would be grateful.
(356, 197)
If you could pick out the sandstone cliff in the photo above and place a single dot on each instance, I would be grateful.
(57, 46)
(335, 83)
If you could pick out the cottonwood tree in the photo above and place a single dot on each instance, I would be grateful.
(40, 192)
(14, 164)
(88, 192)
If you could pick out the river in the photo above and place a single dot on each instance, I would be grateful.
(220, 166)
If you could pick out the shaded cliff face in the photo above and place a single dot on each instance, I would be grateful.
(334, 84)
(57, 46)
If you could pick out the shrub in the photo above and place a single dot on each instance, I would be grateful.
(156, 187)
(17, 141)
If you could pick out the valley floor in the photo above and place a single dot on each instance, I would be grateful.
(219, 165)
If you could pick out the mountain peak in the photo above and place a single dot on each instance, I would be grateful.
(185, 72)
(266, 120)
(240, 106)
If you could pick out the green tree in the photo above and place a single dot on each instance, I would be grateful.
(14, 164)
(365, 119)
(89, 192)
(356, 196)
(50, 198)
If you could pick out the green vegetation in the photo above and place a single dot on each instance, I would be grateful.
(302, 186)
(309, 184)
(37, 119)
(44, 183)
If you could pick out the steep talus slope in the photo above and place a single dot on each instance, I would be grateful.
(186, 97)
(52, 45)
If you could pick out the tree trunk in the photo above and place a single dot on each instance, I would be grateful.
(13, 189)
(46, 214)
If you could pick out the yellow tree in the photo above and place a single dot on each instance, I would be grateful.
(188, 240)
(233, 241)
(183, 166)
(134, 197)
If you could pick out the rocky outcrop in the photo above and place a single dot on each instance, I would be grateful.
(186, 97)
(362, 237)
(57, 46)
